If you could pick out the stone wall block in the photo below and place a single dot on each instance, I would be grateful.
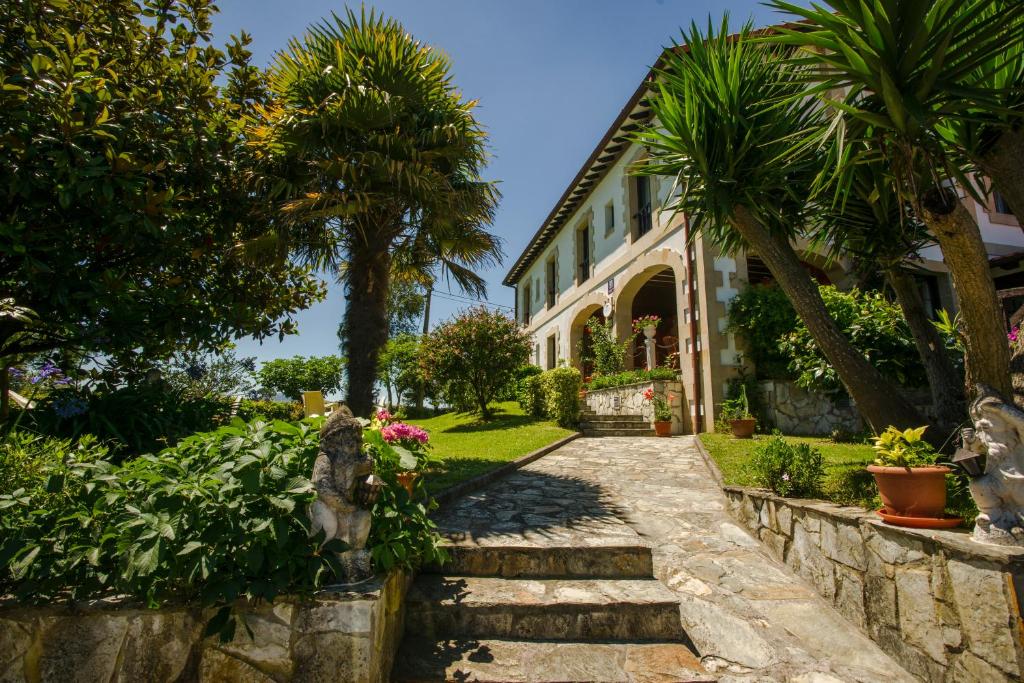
(808, 561)
(987, 619)
(849, 598)
(880, 604)
(918, 616)
(15, 640)
(268, 648)
(784, 513)
(158, 646)
(843, 543)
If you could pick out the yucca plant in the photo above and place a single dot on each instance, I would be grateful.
(376, 159)
(727, 118)
(896, 72)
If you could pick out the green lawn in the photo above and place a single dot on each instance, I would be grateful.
(846, 481)
(469, 446)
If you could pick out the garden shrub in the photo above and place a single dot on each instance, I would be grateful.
(131, 420)
(561, 388)
(851, 484)
(632, 377)
(289, 411)
(511, 391)
(762, 315)
(787, 469)
(531, 396)
(600, 348)
(874, 326)
(476, 354)
(219, 517)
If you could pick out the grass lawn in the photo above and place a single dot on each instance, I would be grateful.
(470, 446)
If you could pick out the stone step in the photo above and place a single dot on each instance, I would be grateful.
(614, 424)
(548, 561)
(521, 661)
(542, 609)
(594, 417)
(617, 431)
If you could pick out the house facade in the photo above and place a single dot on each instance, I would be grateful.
(609, 250)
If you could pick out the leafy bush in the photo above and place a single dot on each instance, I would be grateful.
(475, 354)
(289, 411)
(632, 377)
(762, 315)
(600, 348)
(561, 388)
(531, 396)
(131, 420)
(292, 376)
(512, 390)
(793, 470)
(221, 516)
(906, 448)
(873, 325)
(851, 484)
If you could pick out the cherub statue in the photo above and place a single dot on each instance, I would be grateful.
(340, 467)
(999, 491)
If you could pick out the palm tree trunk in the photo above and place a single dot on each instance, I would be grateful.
(944, 381)
(1002, 164)
(879, 402)
(366, 324)
(988, 353)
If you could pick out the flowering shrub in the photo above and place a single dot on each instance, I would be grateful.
(645, 321)
(600, 348)
(474, 355)
(662, 406)
(793, 470)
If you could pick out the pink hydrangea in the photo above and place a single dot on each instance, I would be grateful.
(399, 431)
(1012, 336)
(383, 415)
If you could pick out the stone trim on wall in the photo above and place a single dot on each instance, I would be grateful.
(946, 608)
(342, 635)
(631, 401)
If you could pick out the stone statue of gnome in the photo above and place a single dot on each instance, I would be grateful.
(340, 470)
(998, 435)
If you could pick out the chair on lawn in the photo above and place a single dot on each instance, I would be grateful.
(313, 404)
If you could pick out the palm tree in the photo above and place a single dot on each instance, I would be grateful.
(873, 227)
(373, 151)
(908, 67)
(726, 119)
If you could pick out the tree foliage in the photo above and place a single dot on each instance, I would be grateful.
(399, 368)
(292, 376)
(475, 354)
(125, 221)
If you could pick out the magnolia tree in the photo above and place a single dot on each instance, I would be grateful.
(474, 355)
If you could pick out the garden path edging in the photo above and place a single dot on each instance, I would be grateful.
(481, 480)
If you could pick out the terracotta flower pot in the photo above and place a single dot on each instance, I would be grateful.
(912, 491)
(663, 427)
(407, 480)
(743, 429)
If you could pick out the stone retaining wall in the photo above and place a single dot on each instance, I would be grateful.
(631, 401)
(945, 607)
(338, 636)
(800, 412)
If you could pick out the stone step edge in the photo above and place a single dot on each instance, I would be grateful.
(600, 558)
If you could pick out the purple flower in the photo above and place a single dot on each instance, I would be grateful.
(49, 371)
(16, 373)
(399, 431)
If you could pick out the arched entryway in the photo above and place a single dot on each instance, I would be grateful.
(651, 291)
(580, 338)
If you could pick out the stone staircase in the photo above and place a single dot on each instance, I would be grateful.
(545, 612)
(592, 424)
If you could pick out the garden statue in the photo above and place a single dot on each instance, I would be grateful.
(340, 471)
(999, 491)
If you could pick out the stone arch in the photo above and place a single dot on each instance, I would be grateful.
(581, 312)
(630, 281)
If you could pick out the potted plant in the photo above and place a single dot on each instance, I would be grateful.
(736, 411)
(912, 486)
(662, 412)
(648, 324)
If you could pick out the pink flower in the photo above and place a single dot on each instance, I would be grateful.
(383, 415)
(399, 431)
(648, 394)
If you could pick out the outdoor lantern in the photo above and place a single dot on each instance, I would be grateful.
(968, 460)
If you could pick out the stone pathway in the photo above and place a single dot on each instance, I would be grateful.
(608, 507)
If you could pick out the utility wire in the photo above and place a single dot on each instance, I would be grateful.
(458, 299)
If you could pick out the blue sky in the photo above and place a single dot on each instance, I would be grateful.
(550, 76)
